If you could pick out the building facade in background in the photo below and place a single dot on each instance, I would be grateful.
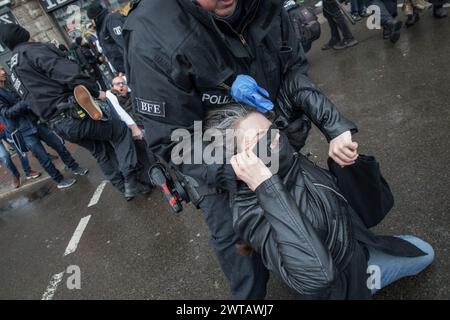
(59, 21)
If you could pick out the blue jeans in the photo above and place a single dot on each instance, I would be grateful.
(357, 6)
(53, 141)
(394, 268)
(388, 9)
(5, 157)
(35, 146)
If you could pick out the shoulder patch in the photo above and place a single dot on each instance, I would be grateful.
(118, 30)
(151, 108)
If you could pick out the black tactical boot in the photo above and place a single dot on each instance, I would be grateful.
(131, 187)
(393, 27)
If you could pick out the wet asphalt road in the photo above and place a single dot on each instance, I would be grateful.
(398, 95)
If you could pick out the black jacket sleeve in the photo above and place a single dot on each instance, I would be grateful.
(57, 67)
(272, 224)
(114, 28)
(298, 94)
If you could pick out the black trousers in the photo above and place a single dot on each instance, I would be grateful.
(247, 276)
(336, 21)
(110, 142)
(145, 160)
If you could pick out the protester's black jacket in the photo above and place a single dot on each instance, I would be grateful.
(180, 62)
(306, 232)
(14, 113)
(111, 40)
(47, 77)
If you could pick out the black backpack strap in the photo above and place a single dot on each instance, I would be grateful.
(285, 22)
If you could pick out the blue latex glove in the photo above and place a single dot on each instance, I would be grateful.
(246, 90)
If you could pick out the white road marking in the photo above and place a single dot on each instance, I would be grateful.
(97, 194)
(52, 286)
(72, 246)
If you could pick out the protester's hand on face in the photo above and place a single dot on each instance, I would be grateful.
(343, 150)
(102, 95)
(250, 169)
(136, 132)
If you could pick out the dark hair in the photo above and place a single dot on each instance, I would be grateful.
(95, 9)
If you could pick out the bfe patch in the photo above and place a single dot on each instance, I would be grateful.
(151, 108)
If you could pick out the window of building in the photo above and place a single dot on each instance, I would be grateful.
(73, 20)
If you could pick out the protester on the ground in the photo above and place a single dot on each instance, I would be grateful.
(297, 219)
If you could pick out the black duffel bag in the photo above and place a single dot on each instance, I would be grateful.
(364, 187)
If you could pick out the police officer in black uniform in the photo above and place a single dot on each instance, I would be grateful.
(46, 79)
(109, 31)
(181, 58)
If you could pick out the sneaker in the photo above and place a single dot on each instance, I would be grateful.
(33, 175)
(15, 183)
(356, 17)
(421, 4)
(66, 183)
(364, 13)
(319, 4)
(345, 44)
(80, 171)
(85, 100)
(329, 45)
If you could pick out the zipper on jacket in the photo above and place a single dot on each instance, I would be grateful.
(224, 86)
(331, 189)
(239, 35)
(253, 18)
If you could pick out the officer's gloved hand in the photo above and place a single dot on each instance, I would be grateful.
(246, 90)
